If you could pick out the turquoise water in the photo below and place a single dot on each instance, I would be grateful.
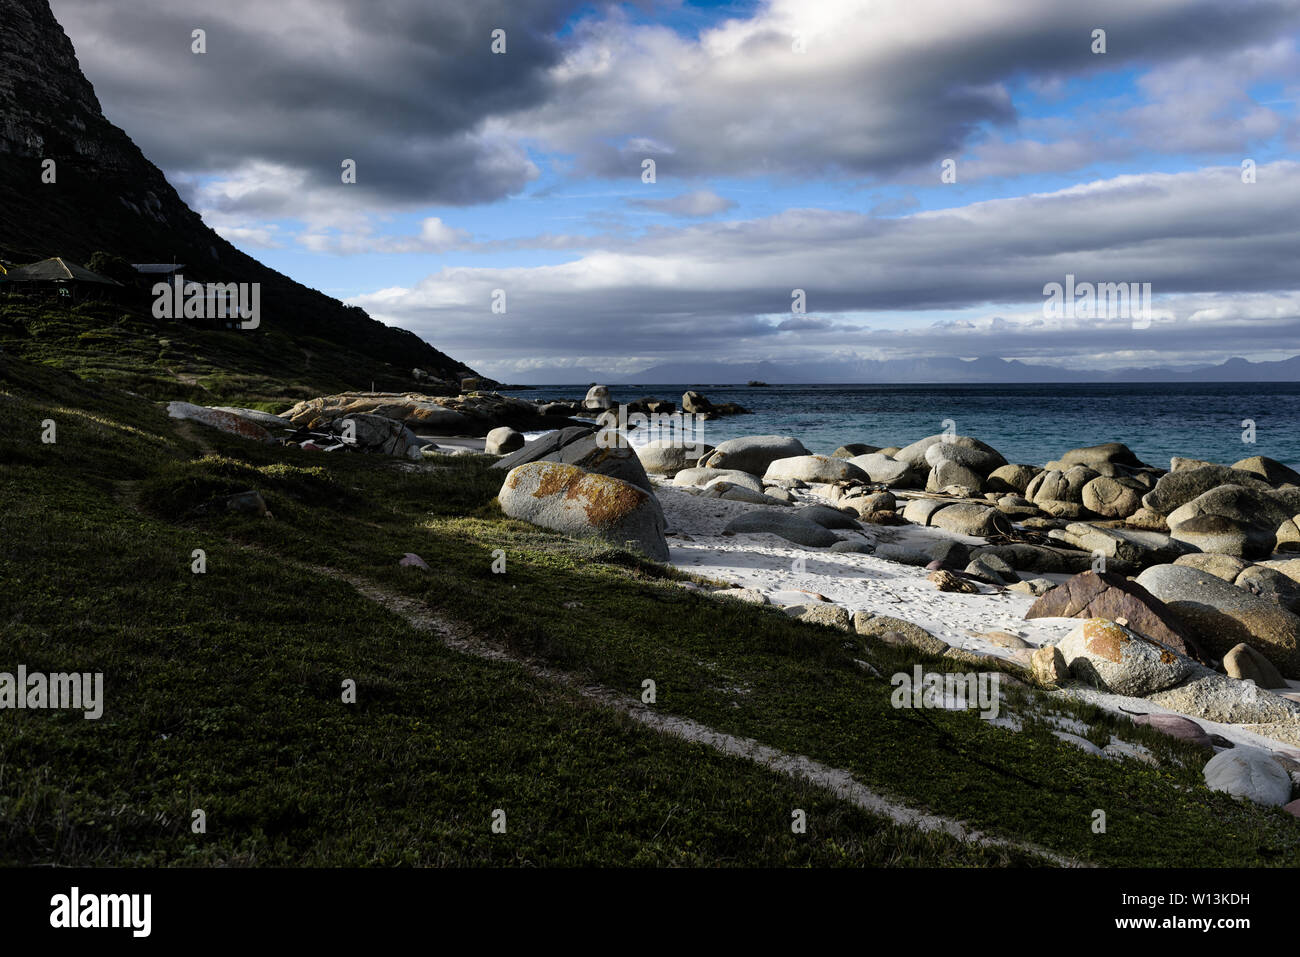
(1026, 423)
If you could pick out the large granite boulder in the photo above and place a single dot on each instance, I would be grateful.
(793, 527)
(1179, 487)
(814, 468)
(1117, 659)
(574, 502)
(1011, 478)
(1250, 773)
(980, 460)
(375, 433)
(885, 470)
(1056, 485)
(597, 399)
(475, 414)
(503, 441)
(703, 478)
(951, 474)
(1113, 497)
(1270, 470)
(668, 456)
(967, 519)
(1230, 520)
(1215, 697)
(915, 454)
(1136, 547)
(217, 419)
(1114, 597)
(599, 452)
(753, 454)
(1109, 459)
(1220, 615)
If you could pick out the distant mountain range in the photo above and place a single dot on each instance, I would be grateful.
(902, 371)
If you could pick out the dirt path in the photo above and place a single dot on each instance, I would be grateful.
(839, 782)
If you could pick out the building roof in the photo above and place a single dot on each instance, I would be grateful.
(57, 270)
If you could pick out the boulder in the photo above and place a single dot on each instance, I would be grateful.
(828, 517)
(1270, 470)
(669, 456)
(1111, 497)
(949, 474)
(378, 434)
(1183, 485)
(704, 477)
(1118, 660)
(1220, 615)
(1230, 520)
(1246, 664)
(265, 419)
(976, 520)
(1126, 545)
(1215, 697)
(1220, 566)
(832, 616)
(896, 631)
(814, 468)
(1249, 773)
(979, 460)
(1011, 478)
(1106, 595)
(1271, 585)
(732, 492)
(1176, 726)
(881, 469)
(793, 527)
(598, 452)
(502, 441)
(569, 500)
(1042, 559)
(597, 399)
(753, 454)
(914, 454)
(696, 404)
(1048, 665)
(853, 449)
(1055, 485)
(223, 421)
(475, 414)
(1109, 459)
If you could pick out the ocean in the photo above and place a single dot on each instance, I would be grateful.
(1031, 424)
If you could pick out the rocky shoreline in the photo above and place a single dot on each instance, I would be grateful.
(1170, 594)
(1165, 593)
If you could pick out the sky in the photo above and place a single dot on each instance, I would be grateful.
(832, 179)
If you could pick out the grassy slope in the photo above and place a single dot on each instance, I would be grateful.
(122, 346)
(240, 669)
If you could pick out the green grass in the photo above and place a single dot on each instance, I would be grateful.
(241, 670)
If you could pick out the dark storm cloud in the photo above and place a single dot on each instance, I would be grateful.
(403, 87)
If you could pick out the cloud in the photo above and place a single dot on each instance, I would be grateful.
(408, 89)
(883, 90)
(700, 203)
(1203, 239)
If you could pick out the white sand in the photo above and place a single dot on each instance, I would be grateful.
(765, 562)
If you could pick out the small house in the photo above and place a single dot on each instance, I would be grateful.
(65, 279)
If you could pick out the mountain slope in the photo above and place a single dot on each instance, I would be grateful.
(108, 196)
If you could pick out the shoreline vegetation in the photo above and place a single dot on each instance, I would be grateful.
(222, 689)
